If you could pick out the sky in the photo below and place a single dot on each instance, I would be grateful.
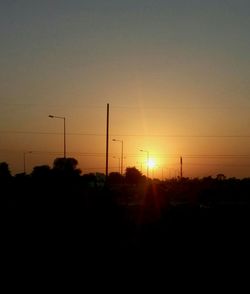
(176, 75)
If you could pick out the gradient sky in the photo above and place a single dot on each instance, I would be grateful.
(176, 75)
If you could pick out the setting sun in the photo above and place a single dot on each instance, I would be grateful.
(151, 163)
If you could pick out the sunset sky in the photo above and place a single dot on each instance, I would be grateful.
(175, 73)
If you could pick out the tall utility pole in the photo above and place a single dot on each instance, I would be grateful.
(181, 167)
(107, 142)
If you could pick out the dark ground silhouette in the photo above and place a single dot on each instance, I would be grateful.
(62, 215)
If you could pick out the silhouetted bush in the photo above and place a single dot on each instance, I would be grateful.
(4, 170)
(133, 175)
(66, 167)
(43, 171)
(115, 178)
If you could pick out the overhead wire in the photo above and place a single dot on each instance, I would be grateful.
(122, 135)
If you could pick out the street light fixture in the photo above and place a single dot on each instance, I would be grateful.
(24, 160)
(121, 141)
(147, 158)
(64, 132)
(119, 166)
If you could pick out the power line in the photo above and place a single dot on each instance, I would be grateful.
(219, 164)
(155, 106)
(49, 133)
(124, 135)
(51, 105)
(131, 155)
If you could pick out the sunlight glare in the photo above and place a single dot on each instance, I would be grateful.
(151, 163)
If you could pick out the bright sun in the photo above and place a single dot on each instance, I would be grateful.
(151, 163)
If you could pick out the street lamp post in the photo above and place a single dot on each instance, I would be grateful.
(147, 159)
(24, 160)
(119, 165)
(115, 140)
(64, 132)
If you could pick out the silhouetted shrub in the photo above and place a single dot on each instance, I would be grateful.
(4, 170)
(115, 178)
(133, 175)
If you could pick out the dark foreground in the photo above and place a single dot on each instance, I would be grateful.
(186, 230)
(69, 222)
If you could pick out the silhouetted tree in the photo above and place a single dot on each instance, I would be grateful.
(41, 171)
(100, 179)
(220, 177)
(133, 175)
(89, 179)
(115, 178)
(66, 167)
(4, 170)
